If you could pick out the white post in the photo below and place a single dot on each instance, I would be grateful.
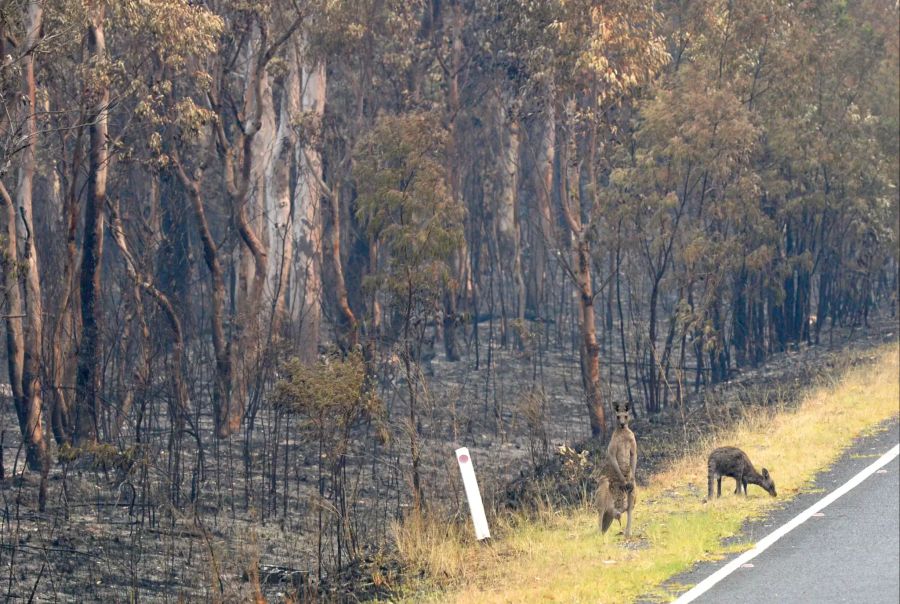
(476, 507)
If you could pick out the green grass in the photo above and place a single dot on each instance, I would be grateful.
(560, 556)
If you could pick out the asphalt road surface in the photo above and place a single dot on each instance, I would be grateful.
(850, 552)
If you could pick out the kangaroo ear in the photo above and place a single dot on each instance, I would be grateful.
(765, 473)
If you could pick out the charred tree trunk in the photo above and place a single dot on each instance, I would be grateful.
(221, 346)
(340, 286)
(653, 405)
(542, 227)
(581, 273)
(739, 317)
(801, 313)
(621, 316)
(165, 305)
(506, 214)
(456, 291)
(759, 332)
(823, 309)
(718, 354)
(87, 384)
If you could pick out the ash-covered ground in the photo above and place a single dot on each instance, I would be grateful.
(261, 510)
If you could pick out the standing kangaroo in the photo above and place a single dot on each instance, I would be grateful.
(615, 491)
(731, 461)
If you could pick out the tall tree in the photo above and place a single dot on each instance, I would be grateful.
(87, 385)
(24, 321)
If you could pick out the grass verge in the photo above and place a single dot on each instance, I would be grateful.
(560, 556)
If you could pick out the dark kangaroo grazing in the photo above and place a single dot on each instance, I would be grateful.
(615, 491)
(731, 461)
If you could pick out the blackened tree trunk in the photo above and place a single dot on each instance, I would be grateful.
(456, 291)
(221, 346)
(822, 309)
(653, 371)
(87, 384)
(739, 335)
(542, 225)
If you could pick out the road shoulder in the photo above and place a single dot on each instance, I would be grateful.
(857, 457)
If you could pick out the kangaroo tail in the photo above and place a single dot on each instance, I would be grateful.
(606, 519)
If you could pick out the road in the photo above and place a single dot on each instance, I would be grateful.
(849, 552)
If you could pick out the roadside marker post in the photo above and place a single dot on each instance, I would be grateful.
(473, 495)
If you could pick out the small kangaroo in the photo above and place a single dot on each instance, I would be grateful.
(731, 461)
(615, 491)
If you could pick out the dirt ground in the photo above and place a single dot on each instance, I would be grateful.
(247, 510)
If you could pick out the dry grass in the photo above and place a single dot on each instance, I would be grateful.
(436, 549)
(561, 556)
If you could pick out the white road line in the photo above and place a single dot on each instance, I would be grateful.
(765, 542)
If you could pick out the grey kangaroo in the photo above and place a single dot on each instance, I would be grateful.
(731, 461)
(615, 491)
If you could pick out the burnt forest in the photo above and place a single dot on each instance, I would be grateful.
(266, 265)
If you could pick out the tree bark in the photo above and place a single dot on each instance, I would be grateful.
(29, 424)
(246, 165)
(22, 247)
(348, 317)
(581, 273)
(165, 305)
(653, 370)
(542, 228)
(507, 213)
(280, 228)
(221, 346)
(308, 221)
(87, 383)
(246, 182)
(343, 302)
(456, 292)
(590, 350)
(63, 346)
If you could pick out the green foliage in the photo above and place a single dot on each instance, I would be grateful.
(569, 46)
(332, 390)
(406, 206)
(349, 29)
(105, 456)
(330, 396)
(173, 30)
(744, 168)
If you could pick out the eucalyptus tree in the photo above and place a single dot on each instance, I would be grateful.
(21, 270)
(585, 59)
(406, 206)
